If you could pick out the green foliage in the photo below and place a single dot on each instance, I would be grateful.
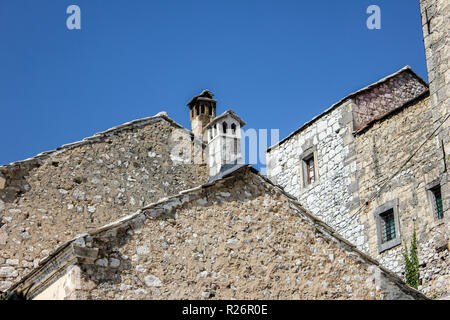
(412, 272)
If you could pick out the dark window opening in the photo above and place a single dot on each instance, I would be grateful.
(224, 127)
(388, 231)
(203, 108)
(438, 201)
(233, 128)
(310, 170)
(197, 110)
(210, 110)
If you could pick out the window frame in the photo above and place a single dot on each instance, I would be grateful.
(430, 192)
(309, 154)
(378, 215)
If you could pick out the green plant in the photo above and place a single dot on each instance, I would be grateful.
(412, 272)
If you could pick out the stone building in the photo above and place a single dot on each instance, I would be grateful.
(317, 163)
(436, 34)
(374, 165)
(50, 198)
(238, 237)
(135, 212)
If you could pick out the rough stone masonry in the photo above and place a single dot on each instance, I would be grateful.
(47, 200)
(237, 238)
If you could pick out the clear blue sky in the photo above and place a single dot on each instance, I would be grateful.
(275, 63)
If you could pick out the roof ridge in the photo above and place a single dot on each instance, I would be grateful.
(349, 96)
(97, 137)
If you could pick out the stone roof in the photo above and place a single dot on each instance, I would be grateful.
(346, 98)
(100, 136)
(75, 249)
(205, 95)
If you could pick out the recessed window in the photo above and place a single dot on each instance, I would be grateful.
(388, 226)
(203, 108)
(310, 170)
(210, 110)
(437, 199)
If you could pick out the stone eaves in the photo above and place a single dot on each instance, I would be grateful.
(74, 250)
(343, 100)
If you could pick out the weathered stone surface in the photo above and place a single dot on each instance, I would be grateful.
(152, 281)
(281, 252)
(2, 181)
(8, 272)
(89, 185)
(332, 194)
(383, 151)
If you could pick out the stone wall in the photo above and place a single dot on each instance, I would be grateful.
(436, 33)
(334, 193)
(240, 238)
(382, 151)
(49, 199)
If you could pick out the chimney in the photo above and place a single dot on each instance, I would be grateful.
(224, 142)
(202, 110)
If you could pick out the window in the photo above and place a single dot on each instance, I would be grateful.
(210, 110)
(388, 226)
(225, 127)
(310, 167)
(388, 230)
(437, 201)
(233, 128)
(203, 108)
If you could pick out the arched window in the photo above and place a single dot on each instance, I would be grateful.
(224, 127)
(233, 128)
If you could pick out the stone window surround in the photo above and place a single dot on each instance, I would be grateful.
(393, 204)
(432, 199)
(303, 174)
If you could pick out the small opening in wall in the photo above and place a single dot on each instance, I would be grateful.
(224, 127)
(203, 108)
(233, 128)
(310, 169)
(437, 196)
(388, 231)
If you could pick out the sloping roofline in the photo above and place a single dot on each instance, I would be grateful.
(98, 137)
(350, 96)
(223, 115)
(173, 201)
